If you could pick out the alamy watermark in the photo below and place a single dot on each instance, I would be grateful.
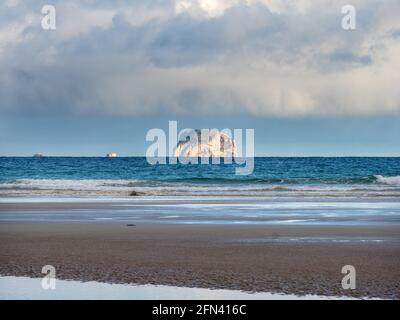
(188, 146)
(49, 280)
(49, 21)
(349, 21)
(349, 280)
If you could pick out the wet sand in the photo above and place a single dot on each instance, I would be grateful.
(245, 257)
(188, 210)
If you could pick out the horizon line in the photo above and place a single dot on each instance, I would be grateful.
(258, 156)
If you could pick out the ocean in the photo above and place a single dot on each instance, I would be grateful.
(272, 177)
(343, 190)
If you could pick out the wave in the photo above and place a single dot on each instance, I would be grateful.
(83, 187)
(257, 180)
(383, 187)
(292, 181)
(395, 180)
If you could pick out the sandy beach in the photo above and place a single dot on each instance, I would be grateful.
(264, 258)
(247, 147)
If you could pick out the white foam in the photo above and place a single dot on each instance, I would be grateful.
(73, 184)
(395, 180)
(387, 187)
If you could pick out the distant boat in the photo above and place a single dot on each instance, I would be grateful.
(112, 155)
(38, 155)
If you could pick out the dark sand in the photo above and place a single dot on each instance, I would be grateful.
(242, 257)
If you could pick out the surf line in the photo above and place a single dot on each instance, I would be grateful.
(164, 310)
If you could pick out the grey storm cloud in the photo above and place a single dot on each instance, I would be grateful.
(263, 57)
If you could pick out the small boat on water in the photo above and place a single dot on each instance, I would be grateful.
(111, 155)
(38, 155)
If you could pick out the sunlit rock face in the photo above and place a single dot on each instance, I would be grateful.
(215, 144)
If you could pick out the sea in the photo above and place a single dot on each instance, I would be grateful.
(296, 190)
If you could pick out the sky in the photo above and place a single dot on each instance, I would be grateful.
(110, 72)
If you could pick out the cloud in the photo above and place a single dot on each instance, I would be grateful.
(262, 57)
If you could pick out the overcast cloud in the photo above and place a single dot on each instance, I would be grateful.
(262, 57)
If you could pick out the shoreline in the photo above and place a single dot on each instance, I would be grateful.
(235, 257)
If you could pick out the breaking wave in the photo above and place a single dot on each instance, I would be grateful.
(378, 186)
(388, 180)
